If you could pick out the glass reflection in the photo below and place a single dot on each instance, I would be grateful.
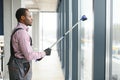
(116, 41)
(86, 36)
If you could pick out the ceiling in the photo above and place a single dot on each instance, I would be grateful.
(41, 5)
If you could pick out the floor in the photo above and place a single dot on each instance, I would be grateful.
(48, 68)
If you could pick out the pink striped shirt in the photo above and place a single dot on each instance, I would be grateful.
(21, 44)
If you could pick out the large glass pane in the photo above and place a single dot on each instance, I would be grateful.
(86, 40)
(48, 22)
(116, 41)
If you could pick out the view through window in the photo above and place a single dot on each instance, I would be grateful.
(116, 41)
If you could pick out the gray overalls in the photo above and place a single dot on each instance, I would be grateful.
(19, 69)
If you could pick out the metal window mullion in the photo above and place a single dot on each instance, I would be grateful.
(109, 9)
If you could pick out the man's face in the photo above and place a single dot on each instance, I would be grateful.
(28, 19)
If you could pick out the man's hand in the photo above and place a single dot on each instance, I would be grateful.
(48, 51)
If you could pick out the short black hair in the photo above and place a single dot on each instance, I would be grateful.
(20, 12)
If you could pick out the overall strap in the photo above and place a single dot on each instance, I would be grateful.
(30, 41)
(11, 47)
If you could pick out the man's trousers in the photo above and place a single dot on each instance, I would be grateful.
(19, 69)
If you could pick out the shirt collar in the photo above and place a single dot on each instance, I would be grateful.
(23, 26)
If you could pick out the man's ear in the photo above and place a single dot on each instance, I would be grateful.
(22, 17)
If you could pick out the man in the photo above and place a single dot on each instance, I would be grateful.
(22, 53)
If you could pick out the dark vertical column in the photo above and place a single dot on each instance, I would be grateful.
(62, 32)
(58, 25)
(1, 17)
(99, 39)
(75, 40)
(59, 10)
(67, 41)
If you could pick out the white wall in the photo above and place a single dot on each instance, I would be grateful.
(10, 7)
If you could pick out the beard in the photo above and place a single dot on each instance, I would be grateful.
(28, 24)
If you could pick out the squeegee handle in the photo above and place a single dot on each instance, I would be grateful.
(64, 35)
(83, 18)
